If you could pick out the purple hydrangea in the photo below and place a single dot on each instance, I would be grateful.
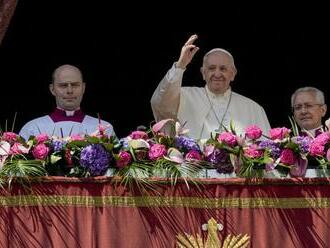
(221, 161)
(57, 145)
(274, 148)
(186, 144)
(95, 159)
(304, 143)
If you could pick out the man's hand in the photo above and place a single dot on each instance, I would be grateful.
(187, 52)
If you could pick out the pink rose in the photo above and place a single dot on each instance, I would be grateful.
(41, 138)
(253, 152)
(9, 136)
(227, 138)
(157, 151)
(316, 149)
(323, 138)
(40, 151)
(18, 148)
(253, 132)
(288, 157)
(193, 155)
(125, 158)
(279, 133)
(139, 135)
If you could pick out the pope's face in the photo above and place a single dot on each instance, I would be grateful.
(218, 71)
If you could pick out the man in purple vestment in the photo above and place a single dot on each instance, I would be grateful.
(67, 118)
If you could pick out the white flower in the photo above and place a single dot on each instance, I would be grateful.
(4, 152)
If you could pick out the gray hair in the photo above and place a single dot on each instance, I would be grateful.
(214, 50)
(319, 95)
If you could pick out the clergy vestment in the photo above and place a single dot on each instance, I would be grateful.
(203, 111)
(64, 123)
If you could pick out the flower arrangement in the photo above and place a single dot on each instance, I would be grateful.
(21, 160)
(164, 150)
(81, 156)
(280, 150)
(222, 151)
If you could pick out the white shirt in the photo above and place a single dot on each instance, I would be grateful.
(191, 105)
(46, 125)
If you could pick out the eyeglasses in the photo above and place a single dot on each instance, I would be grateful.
(306, 106)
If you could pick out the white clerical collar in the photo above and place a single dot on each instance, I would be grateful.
(69, 112)
(314, 130)
(225, 95)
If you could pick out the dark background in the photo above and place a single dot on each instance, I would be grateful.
(123, 54)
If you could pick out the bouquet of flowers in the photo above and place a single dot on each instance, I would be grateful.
(41, 155)
(280, 151)
(223, 151)
(163, 151)
(81, 156)
(22, 160)
(320, 149)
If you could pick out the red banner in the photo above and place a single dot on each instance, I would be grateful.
(64, 212)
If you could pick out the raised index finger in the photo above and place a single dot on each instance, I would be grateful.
(191, 40)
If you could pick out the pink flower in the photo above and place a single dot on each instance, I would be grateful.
(316, 148)
(139, 135)
(41, 138)
(157, 151)
(288, 157)
(253, 132)
(279, 133)
(9, 136)
(40, 151)
(323, 138)
(228, 138)
(76, 137)
(253, 152)
(208, 150)
(18, 148)
(124, 159)
(193, 155)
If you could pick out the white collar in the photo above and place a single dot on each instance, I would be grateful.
(69, 112)
(225, 95)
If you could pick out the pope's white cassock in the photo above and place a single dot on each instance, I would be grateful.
(203, 111)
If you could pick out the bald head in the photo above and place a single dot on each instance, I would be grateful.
(64, 72)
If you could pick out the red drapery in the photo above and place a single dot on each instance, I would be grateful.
(63, 212)
(7, 8)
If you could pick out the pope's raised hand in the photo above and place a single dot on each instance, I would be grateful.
(187, 52)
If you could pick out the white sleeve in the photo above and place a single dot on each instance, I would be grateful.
(166, 98)
(262, 121)
(27, 130)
